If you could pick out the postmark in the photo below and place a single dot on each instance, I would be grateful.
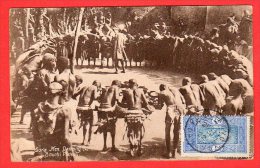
(216, 136)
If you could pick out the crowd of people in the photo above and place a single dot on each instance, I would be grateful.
(45, 85)
(48, 94)
(159, 45)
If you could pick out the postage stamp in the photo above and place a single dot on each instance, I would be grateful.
(216, 136)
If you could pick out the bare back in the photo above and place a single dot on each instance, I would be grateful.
(109, 96)
(86, 95)
(171, 97)
(135, 98)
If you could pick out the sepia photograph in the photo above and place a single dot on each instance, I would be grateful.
(128, 83)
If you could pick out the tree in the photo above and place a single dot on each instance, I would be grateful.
(27, 27)
(77, 33)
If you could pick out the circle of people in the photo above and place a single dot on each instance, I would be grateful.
(44, 86)
(49, 92)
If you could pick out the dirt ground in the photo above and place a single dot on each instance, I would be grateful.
(153, 142)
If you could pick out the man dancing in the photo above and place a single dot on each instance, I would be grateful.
(109, 99)
(193, 96)
(175, 103)
(135, 99)
(86, 97)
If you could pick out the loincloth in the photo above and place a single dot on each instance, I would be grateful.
(135, 116)
(135, 128)
(109, 109)
(106, 120)
(106, 113)
(135, 112)
(135, 133)
(173, 112)
(85, 113)
(82, 108)
(194, 110)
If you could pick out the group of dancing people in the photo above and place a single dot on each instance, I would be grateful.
(48, 93)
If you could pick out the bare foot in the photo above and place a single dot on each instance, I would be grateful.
(168, 155)
(105, 149)
(114, 149)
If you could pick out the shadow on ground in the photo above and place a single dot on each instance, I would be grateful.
(153, 149)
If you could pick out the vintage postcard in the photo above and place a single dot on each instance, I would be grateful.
(127, 83)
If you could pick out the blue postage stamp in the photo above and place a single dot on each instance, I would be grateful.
(226, 136)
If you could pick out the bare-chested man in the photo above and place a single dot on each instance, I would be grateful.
(108, 100)
(213, 77)
(192, 95)
(234, 105)
(67, 76)
(175, 103)
(213, 94)
(86, 97)
(134, 96)
(198, 95)
(226, 79)
(135, 99)
(240, 98)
